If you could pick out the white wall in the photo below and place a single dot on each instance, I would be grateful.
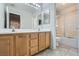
(53, 25)
(25, 17)
(2, 17)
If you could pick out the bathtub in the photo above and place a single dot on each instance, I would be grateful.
(71, 42)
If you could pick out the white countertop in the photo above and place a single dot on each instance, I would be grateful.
(9, 31)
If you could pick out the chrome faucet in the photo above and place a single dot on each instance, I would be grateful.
(13, 29)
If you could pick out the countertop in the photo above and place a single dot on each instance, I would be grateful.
(9, 31)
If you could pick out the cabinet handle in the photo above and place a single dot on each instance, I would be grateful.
(20, 36)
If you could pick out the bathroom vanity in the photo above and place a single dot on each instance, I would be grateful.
(25, 43)
(24, 30)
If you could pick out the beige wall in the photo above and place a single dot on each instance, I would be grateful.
(67, 21)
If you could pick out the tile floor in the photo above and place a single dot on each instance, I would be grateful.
(58, 52)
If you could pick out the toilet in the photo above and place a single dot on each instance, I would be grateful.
(58, 39)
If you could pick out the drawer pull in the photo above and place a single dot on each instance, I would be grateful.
(20, 36)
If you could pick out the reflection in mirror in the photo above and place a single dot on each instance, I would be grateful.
(26, 15)
(46, 17)
(40, 19)
(31, 15)
(45, 13)
(14, 21)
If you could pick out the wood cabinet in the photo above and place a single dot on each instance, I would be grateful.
(6, 45)
(22, 44)
(33, 43)
(48, 39)
(42, 41)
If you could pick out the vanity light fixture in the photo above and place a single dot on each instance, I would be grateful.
(34, 5)
(37, 5)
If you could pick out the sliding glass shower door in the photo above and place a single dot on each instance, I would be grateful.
(70, 26)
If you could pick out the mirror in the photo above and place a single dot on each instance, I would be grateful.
(46, 17)
(45, 14)
(24, 15)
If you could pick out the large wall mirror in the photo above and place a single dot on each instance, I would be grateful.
(24, 15)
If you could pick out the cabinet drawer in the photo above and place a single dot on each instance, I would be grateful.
(20, 36)
(34, 42)
(34, 35)
(42, 34)
(34, 50)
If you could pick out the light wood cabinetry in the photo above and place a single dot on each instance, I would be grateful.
(33, 43)
(42, 41)
(34, 50)
(6, 45)
(22, 44)
(48, 39)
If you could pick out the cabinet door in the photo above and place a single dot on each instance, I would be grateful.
(34, 50)
(47, 39)
(41, 41)
(21, 45)
(6, 45)
(34, 43)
